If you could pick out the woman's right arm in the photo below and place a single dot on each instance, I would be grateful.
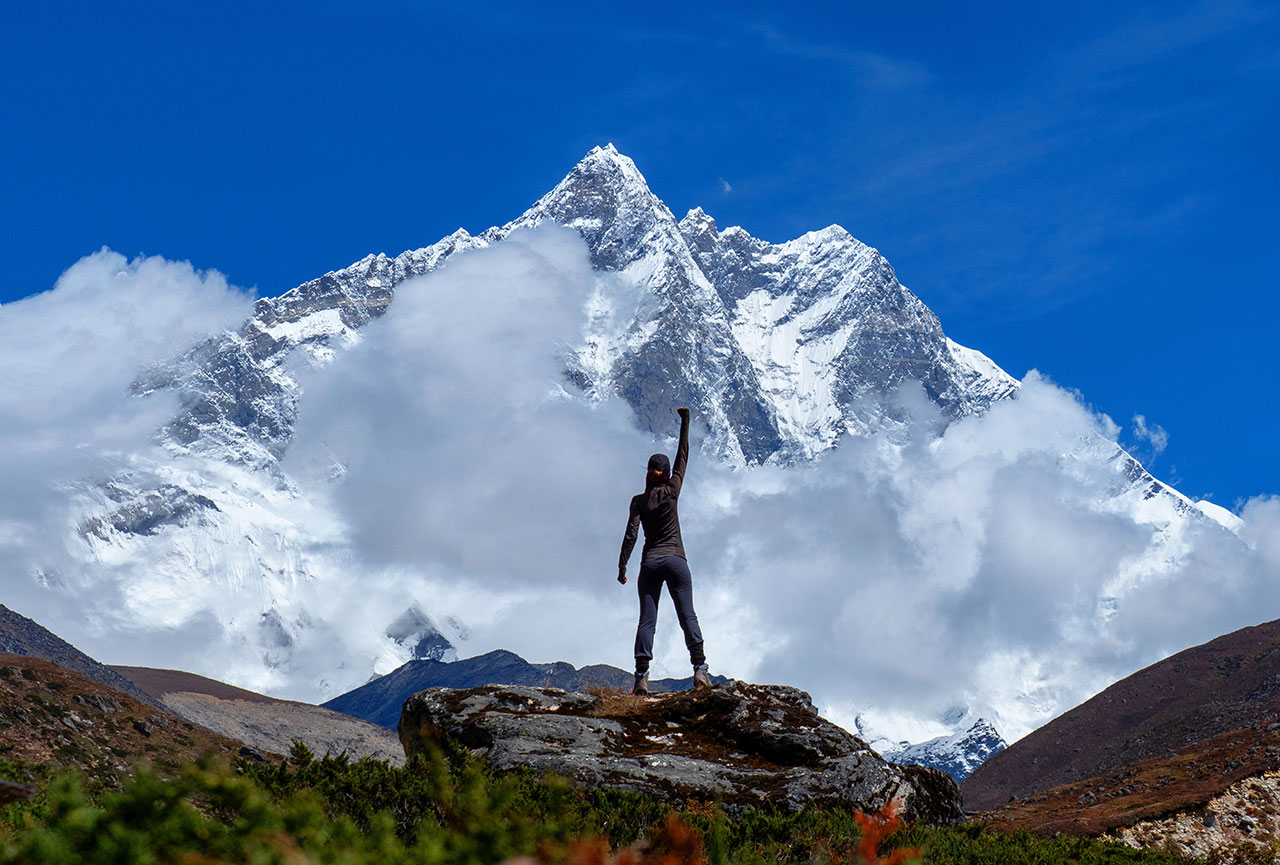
(629, 539)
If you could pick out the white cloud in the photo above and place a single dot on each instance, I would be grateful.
(67, 358)
(725, 186)
(904, 577)
(1152, 434)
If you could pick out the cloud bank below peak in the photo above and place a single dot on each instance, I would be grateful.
(443, 460)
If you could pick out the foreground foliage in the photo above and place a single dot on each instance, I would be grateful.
(448, 809)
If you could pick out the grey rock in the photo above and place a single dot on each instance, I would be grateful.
(739, 744)
(101, 702)
(252, 754)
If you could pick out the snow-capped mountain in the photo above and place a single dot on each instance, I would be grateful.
(781, 349)
(958, 754)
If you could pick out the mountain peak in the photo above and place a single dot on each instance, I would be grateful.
(606, 199)
(698, 222)
(607, 159)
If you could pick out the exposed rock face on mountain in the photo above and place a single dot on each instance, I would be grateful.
(958, 755)
(1230, 683)
(780, 347)
(739, 744)
(415, 629)
(381, 700)
(261, 721)
(21, 636)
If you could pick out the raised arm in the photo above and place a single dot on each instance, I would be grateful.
(682, 453)
(629, 540)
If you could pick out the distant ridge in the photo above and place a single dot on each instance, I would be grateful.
(380, 700)
(22, 636)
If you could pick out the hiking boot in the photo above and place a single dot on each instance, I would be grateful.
(641, 687)
(701, 678)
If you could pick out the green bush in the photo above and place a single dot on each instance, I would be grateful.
(446, 808)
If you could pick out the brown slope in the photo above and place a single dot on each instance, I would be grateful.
(1230, 683)
(261, 721)
(52, 716)
(158, 683)
(1145, 790)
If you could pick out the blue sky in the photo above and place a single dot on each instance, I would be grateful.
(1073, 188)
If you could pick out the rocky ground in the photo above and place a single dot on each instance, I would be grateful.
(380, 700)
(22, 636)
(739, 744)
(1246, 816)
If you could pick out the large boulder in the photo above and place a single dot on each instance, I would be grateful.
(740, 744)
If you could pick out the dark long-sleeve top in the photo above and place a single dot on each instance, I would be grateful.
(655, 509)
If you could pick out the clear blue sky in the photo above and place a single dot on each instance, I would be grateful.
(1073, 188)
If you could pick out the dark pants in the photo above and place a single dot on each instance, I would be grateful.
(674, 571)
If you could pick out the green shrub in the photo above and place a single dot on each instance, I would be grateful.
(446, 808)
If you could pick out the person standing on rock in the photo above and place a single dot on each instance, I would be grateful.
(662, 560)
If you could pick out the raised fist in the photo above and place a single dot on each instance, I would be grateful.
(683, 412)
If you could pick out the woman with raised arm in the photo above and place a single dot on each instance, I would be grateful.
(662, 560)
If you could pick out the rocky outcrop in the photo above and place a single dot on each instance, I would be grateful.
(739, 744)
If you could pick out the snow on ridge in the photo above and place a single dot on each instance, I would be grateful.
(958, 754)
(1219, 515)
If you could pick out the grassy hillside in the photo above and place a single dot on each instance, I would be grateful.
(54, 717)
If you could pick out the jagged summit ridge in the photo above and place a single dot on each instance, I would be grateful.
(793, 344)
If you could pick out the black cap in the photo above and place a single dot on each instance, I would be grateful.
(659, 462)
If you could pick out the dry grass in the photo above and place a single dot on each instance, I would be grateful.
(615, 702)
